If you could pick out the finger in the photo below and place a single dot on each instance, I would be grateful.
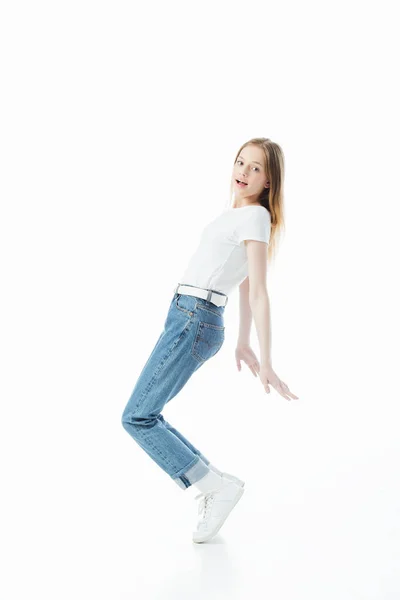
(281, 390)
(289, 393)
(252, 370)
(286, 388)
(239, 366)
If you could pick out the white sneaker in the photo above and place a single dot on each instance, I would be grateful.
(233, 478)
(214, 508)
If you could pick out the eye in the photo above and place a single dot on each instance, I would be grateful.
(240, 161)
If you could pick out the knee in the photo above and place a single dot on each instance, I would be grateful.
(124, 420)
(131, 417)
(130, 412)
(128, 416)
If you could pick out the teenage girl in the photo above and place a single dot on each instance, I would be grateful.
(232, 252)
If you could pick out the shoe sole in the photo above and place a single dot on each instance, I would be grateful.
(239, 494)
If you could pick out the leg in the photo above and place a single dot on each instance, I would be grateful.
(183, 439)
(168, 368)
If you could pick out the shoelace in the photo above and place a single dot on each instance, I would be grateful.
(205, 503)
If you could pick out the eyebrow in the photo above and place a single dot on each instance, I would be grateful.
(254, 161)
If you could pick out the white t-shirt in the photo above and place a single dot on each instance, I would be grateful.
(220, 260)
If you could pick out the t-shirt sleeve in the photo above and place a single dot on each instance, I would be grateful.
(257, 227)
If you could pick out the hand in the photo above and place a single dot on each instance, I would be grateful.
(268, 377)
(245, 353)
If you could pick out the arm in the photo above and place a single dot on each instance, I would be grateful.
(258, 297)
(245, 314)
(260, 307)
(260, 310)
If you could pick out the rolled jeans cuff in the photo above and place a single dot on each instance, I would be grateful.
(196, 471)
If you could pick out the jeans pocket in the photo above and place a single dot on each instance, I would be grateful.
(185, 303)
(209, 339)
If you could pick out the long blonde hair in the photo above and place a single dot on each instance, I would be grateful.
(272, 198)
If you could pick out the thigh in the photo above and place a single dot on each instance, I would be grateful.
(169, 365)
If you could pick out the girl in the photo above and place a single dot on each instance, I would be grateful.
(232, 252)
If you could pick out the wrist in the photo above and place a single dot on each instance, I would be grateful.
(266, 364)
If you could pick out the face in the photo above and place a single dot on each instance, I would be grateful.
(249, 169)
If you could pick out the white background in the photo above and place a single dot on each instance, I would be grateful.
(120, 122)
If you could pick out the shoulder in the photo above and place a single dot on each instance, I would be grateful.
(259, 214)
(259, 211)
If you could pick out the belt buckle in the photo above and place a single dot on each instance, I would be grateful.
(210, 292)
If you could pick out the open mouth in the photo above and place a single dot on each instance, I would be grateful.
(241, 183)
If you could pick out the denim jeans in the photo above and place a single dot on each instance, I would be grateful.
(193, 333)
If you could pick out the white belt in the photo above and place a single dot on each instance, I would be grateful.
(216, 298)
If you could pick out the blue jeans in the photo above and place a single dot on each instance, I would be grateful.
(193, 333)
